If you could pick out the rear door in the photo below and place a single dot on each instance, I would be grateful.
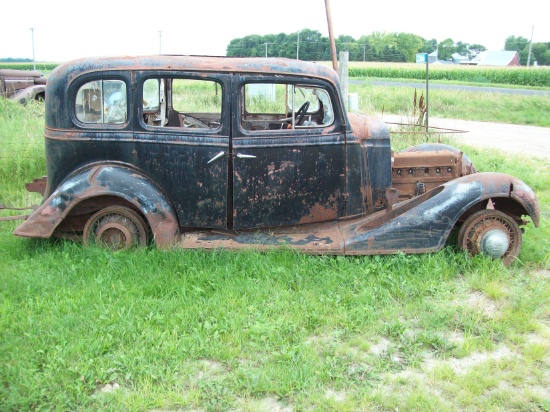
(182, 137)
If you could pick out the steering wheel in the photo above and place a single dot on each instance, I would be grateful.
(300, 114)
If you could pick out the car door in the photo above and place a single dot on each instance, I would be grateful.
(183, 134)
(288, 160)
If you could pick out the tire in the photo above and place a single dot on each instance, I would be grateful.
(116, 228)
(492, 233)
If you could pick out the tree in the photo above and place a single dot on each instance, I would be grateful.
(474, 50)
(513, 43)
(380, 40)
(428, 46)
(445, 49)
(541, 54)
(462, 48)
(408, 44)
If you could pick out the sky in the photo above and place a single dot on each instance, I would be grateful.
(69, 29)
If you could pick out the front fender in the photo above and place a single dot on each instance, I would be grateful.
(424, 223)
(105, 180)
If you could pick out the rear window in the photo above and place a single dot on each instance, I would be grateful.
(102, 101)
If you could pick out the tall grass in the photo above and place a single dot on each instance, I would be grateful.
(22, 155)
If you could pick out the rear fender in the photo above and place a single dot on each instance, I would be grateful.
(105, 180)
(424, 223)
(30, 93)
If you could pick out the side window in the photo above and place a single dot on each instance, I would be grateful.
(281, 106)
(184, 103)
(102, 101)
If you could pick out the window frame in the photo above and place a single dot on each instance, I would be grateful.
(289, 81)
(174, 75)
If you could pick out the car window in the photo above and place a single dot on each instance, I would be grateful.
(281, 106)
(183, 103)
(102, 101)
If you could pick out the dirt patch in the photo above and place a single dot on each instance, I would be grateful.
(461, 366)
(269, 404)
(380, 347)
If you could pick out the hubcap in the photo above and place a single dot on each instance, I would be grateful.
(115, 235)
(495, 243)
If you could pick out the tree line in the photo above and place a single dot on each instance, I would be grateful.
(376, 47)
(540, 52)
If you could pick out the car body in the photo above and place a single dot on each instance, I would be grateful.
(213, 152)
(22, 85)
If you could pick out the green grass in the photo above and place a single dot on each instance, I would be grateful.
(87, 329)
(457, 104)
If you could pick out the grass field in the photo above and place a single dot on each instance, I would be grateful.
(87, 329)
(457, 104)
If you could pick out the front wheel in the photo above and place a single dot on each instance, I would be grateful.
(116, 227)
(492, 233)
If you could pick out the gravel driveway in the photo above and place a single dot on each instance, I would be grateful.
(526, 140)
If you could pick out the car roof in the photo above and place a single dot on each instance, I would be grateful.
(60, 79)
(196, 63)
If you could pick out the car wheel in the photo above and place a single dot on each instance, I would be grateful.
(116, 227)
(492, 233)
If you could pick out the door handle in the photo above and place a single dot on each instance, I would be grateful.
(216, 157)
(245, 156)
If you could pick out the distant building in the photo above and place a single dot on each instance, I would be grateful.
(432, 57)
(443, 62)
(486, 58)
(497, 58)
(459, 59)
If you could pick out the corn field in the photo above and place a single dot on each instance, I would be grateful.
(516, 76)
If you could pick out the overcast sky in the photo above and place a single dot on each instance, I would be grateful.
(67, 29)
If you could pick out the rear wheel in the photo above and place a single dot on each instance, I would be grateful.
(116, 227)
(492, 233)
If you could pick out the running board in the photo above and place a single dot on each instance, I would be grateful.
(327, 240)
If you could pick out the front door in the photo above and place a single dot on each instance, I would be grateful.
(288, 153)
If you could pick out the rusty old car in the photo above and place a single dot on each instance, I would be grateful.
(217, 152)
(22, 85)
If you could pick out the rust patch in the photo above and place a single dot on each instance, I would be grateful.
(319, 213)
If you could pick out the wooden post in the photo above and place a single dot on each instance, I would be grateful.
(343, 73)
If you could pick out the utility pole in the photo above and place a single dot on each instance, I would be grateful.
(530, 47)
(160, 41)
(33, 60)
(266, 48)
